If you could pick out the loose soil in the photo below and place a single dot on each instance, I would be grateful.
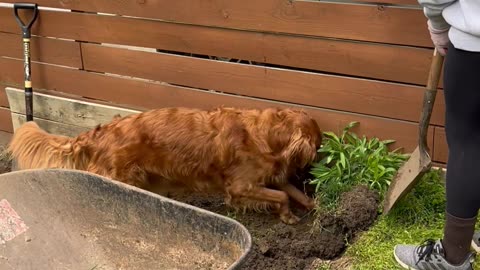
(293, 247)
(301, 246)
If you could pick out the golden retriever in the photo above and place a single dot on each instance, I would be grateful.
(248, 155)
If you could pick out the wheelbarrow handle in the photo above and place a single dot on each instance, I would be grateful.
(25, 27)
(429, 99)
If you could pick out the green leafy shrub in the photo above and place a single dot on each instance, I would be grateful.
(348, 160)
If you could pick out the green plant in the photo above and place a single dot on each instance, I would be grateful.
(349, 160)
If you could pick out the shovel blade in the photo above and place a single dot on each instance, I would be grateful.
(407, 176)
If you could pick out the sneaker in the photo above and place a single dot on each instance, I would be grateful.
(428, 256)
(476, 242)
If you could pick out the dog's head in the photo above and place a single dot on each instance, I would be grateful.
(297, 136)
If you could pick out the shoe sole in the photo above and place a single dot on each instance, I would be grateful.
(402, 264)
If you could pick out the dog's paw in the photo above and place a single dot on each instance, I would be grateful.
(289, 219)
(310, 205)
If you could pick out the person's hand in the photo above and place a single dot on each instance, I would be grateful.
(439, 38)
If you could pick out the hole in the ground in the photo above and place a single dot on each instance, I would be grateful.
(280, 246)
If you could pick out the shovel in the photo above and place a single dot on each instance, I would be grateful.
(27, 71)
(420, 161)
(26, 35)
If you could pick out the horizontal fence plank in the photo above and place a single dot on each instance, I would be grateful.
(440, 153)
(65, 110)
(148, 95)
(395, 2)
(379, 2)
(393, 63)
(324, 19)
(53, 51)
(332, 92)
(368, 60)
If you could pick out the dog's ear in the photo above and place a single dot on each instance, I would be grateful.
(278, 137)
(300, 150)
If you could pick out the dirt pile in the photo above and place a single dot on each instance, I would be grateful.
(358, 209)
(280, 246)
(289, 247)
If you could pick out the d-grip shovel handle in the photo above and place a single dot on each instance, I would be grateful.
(25, 27)
(429, 100)
(26, 53)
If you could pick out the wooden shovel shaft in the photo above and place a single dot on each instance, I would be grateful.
(429, 100)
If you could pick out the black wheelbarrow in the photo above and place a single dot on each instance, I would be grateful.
(64, 219)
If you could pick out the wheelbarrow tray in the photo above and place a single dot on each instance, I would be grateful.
(66, 219)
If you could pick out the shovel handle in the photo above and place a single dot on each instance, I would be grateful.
(25, 26)
(429, 99)
(26, 53)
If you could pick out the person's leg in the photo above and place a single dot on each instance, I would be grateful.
(462, 98)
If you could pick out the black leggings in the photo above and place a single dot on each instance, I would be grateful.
(462, 98)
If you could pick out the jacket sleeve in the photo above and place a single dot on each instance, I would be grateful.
(433, 11)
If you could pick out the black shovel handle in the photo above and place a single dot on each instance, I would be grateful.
(25, 27)
(26, 53)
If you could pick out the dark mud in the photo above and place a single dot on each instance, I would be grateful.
(280, 246)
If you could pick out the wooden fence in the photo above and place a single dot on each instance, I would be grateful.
(363, 61)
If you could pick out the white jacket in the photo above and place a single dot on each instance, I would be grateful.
(463, 18)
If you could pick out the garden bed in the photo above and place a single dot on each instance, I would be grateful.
(304, 245)
(347, 230)
(348, 183)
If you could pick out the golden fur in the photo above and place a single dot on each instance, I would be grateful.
(246, 154)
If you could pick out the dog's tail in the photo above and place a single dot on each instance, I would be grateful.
(34, 148)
